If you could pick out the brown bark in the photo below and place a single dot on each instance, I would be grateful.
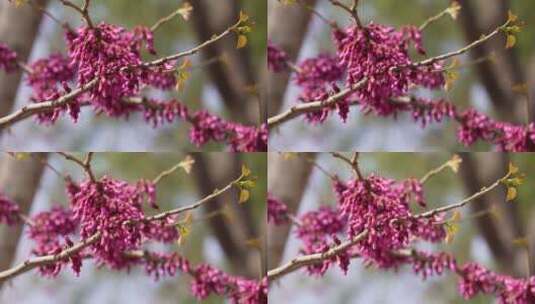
(287, 181)
(18, 29)
(19, 181)
(233, 76)
(497, 77)
(504, 226)
(213, 170)
(287, 29)
(500, 74)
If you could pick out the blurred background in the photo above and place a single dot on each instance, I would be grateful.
(224, 233)
(487, 86)
(489, 239)
(223, 80)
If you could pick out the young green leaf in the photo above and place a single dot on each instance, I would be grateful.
(244, 196)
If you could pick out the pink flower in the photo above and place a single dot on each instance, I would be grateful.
(160, 264)
(376, 53)
(277, 211)
(48, 80)
(111, 208)
(8, 58)
(9, 211)
(277, 59)
(109, 53)
(317, 77)
(48, 229)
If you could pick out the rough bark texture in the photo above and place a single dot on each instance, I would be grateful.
(19, 180)
(18, 29)
(287, 29)
(287, 181)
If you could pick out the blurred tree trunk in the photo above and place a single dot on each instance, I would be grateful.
(497, 76)
(231, 77)
(214, 170)
(500, 74)
(503, 225)
(287, 28)
(19, 181)
(235, 74)
(287, 181)
(18, 29)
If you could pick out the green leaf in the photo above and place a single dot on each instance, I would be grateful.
(511, 194)
(242, 41)
(511, 41)
(245, 171)
(243, 17)
(244, 196)
(513, 169)
(451, 231)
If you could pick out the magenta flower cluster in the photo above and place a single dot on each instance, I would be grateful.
(51, 231)
(277, 211)
(319, 230)
(8, 58)
(112, 208)
(49, 79)
(9, 211)
(277, 59)
(381, 207)
(165, 264)
(206, 127)
(111, 54)
(475, 279)
(475, 126)
(380, 54)
(317, 78)
(209, 280)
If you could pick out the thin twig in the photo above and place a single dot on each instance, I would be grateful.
(167, 172)
(85, 164)
(164, 20)
(353, 162)
(196, 205)
(465, 201)
(435, 171)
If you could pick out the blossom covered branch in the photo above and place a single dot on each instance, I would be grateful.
(103, 69)
(109, 218)
(373, 69)
(373, 220)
